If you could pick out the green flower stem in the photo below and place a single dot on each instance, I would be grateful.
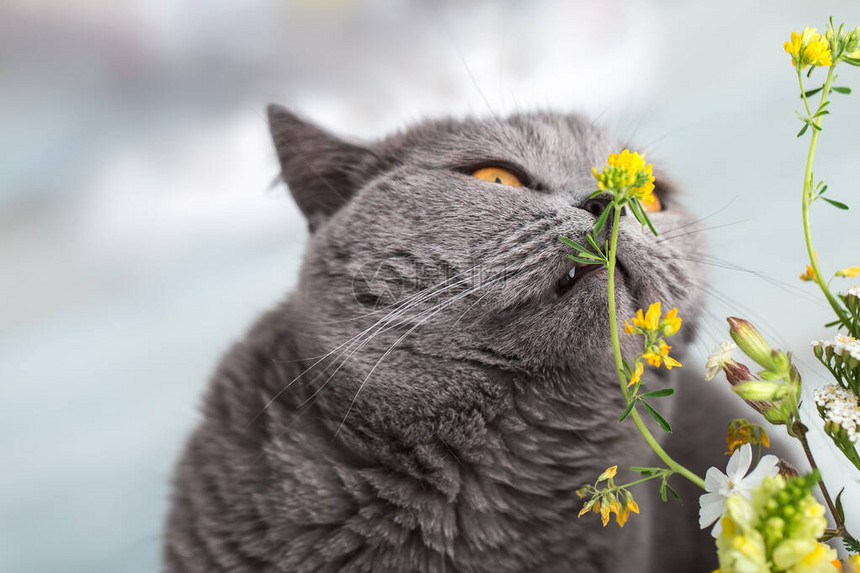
(658, 475)
(803, 93)
(619, 361)
(807, 201)
(799, 430)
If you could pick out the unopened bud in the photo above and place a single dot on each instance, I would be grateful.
(781, 361)
(787, 470)
(751, 342)
(737, 372)
(760, 390)
(818, 350)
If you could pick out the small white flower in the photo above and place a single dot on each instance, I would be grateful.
(721, 354)
(840, 407)
(720, 486)
(853, 291)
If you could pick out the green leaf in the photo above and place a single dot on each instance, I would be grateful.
(595, 194)
(582, 260)
(822, 112)
(851, 61)
(634, 208)
(627, 410)
(823, 190)
(839, 510)
(661, 421)
(834, 323)
(812, 92)
(626, 366)
(842, 89)
(803, 129)
(643, 471)
(836, 204)
(663, 491)
(809, 73)
(590, 256)
(815, 126)
(601, 221)
(645, 216)
(673, 492)
(658, 393)
(573, 244)
(593, 243)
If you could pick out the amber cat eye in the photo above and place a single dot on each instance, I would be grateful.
(497, 175)
(654, 206)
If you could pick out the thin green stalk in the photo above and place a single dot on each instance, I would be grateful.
(658, 475)
(799, 432)
(619, 361)
(807, 201)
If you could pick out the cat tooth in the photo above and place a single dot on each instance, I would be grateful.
(572, 272)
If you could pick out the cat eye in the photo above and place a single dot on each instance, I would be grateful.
(497, 175)
(654, 206)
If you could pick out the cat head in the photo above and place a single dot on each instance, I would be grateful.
(421, 255)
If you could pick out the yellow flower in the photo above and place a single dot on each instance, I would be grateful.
(629, 505)
(671, 323)
(637, 373)
(627, 171)
(808, 274)
(628, 328)
(608, 474)
(742, 432)
(808, 49)
(604, 514)
(649, 320)
(668, 360)
(653, 358)
(848, 272)
(818, 560)
(853, 564)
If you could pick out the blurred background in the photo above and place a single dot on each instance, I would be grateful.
(140, 232)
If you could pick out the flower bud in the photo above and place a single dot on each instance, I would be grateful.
(760, 390)
(787, 470)
(608, 474)
(737, 372)
(818, 349)
(781, 361)
(751, 342)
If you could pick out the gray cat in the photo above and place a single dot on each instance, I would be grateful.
(435, 389)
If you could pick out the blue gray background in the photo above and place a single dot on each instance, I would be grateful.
(140, 233)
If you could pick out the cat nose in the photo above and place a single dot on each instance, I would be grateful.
(597, 205)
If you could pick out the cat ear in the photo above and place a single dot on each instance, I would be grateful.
(321, 171)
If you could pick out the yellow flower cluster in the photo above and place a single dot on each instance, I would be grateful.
(808, 49)
(626, 172)
(612, 499)
(742, 432)
(654, 326)
(776, 531)
(651, 321)
(808, 274)
(852, 564)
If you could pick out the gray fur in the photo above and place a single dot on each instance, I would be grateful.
(453, 438)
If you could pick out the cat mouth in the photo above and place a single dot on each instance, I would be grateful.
(575, 276)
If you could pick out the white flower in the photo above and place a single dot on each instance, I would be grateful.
(841, 408)
(721, 354)
(853, 291)
(720, 486)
